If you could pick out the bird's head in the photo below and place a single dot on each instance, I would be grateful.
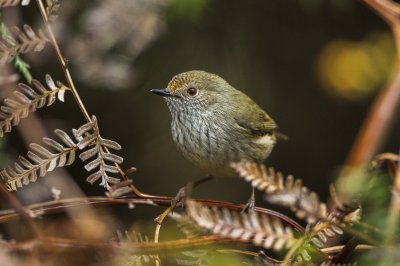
(194, 90)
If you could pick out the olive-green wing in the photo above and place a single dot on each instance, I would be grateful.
(254, 120)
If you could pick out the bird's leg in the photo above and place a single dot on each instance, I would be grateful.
(186, 191)
(251, 203)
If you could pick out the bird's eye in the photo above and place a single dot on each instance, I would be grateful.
(192, 91)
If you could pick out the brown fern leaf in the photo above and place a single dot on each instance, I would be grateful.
(89, 139)
(120, 189)
(186, 225)
(40, 160)
(21, 41)
(333, 224)
(5, 3)
(27, 100)
(322, 230)
(262, 230)
(129, 257)
(52, 8)
(287, 192)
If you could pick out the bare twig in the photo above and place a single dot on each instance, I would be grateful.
(159, 220)
(20, 210)
(136, 248)
(62, 60)
(57, 206)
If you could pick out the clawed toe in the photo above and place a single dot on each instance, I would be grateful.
(185, 192)
(251, 203)
(180, 197)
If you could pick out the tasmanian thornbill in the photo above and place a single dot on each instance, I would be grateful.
(214, 124)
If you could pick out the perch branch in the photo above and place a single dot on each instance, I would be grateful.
(136, 248)
(57, 206)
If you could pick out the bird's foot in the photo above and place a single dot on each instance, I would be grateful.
(180, 197)
(186, 191)
(251, 203)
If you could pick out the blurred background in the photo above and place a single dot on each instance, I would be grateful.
(314, 66)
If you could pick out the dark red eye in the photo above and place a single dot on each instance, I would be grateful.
(192, 91)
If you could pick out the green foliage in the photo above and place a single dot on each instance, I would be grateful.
(23, 68)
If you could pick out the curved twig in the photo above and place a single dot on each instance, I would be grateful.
(57, 206)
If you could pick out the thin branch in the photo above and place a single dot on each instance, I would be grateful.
(387, 9)
(57, 206)
(135, 248)
(62, 60)
(159, 220)
(20, 210)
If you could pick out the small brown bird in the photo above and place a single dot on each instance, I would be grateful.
(214, 124)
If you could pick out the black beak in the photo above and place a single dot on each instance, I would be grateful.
(163, 93)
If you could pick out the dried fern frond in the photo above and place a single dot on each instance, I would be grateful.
(52, 8)
(128, 258)
(27, 100)
(261, 229)
(21, 41)
(289, 192)
(120, 189)
(333, 225)
(5, 3)
(89, 139)
(186, 225)
(40, 160)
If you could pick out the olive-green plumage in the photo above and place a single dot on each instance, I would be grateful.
(213, 124)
